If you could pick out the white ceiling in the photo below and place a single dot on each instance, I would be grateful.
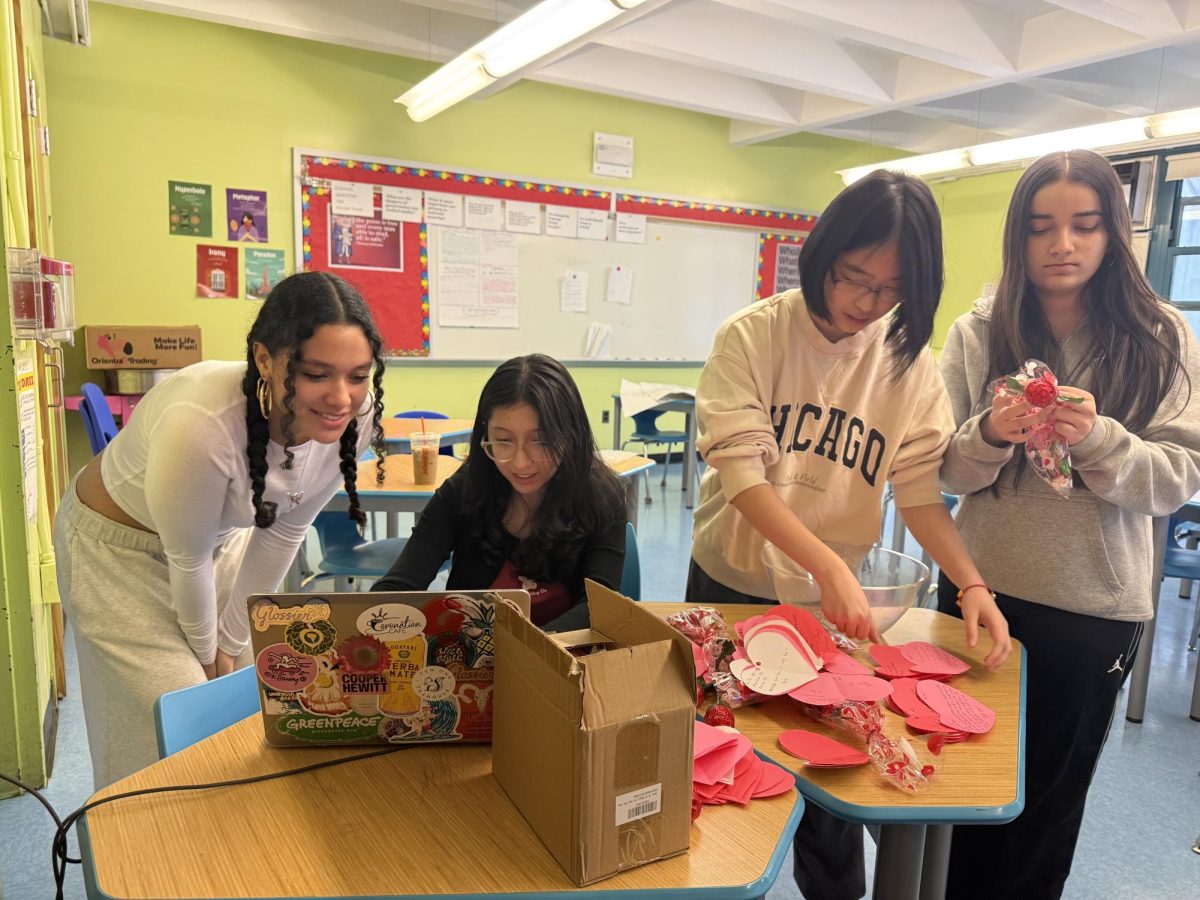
(920, 75)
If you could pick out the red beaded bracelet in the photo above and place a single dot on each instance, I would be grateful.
(958, 601)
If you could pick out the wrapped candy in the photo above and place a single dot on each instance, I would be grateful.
(705, 627)
(1046, 450)
(895, 760)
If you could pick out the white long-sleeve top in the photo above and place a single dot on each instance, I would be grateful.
(179, 467)
(823, 423)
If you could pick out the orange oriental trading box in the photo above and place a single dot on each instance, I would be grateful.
(377, 668)
(595, 749)
(142, 346)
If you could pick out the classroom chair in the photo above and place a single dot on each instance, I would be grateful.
(98, 419)
(346, 555)
(425, 414)
(645, 432)
(188, 715)
(1182, 560)
(631, 574)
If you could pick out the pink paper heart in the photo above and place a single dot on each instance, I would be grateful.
(828, 689)
(773, 781)
(776, 626)
(840, 663)
(905, 700)
(958, 711)
(819, 750)
(772, 662)
(808, 626)
(926, 658)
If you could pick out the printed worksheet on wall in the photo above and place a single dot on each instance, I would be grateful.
(476, 279)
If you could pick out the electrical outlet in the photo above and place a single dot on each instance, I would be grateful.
(604, 417)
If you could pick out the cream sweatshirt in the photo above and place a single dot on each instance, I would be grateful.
(823, 423)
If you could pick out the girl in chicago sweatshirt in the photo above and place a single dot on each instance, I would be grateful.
(810, 402)
(1072, 575)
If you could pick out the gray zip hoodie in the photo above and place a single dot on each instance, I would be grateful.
(1089, 553)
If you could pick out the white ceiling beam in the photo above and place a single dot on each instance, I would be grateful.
(955, 33)
(1148, 18)
(634, 76)
(381, 25)
(700, 33)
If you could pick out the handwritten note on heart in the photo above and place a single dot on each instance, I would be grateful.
(773, 662)
(828, 689)
(926, 658)
(957, 710)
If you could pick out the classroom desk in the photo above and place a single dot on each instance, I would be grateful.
(452, 431)
(980, 781)
(428, 821)
(688, 408)
(399, 494)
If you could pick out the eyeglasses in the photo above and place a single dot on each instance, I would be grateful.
(856, 290)
(506, 451)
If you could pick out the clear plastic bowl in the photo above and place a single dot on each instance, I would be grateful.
(891, 581)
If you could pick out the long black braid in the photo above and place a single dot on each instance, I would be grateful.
(293, 311)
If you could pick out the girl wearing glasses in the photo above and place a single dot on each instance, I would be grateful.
(810, 401)
(1073, 576)
(534, 507)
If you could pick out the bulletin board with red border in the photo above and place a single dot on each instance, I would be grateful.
(400, 298)
(765, 280)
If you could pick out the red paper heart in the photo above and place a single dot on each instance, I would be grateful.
(806, 623)
(819, 750)
(930, 660)
(958, 711)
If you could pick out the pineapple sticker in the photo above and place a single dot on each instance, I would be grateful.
(479, 617)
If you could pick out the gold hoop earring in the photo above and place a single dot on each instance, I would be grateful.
(264, 398)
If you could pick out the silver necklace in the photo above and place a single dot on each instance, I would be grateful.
(297, 495)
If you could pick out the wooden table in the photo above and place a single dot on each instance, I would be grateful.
(453, 431)
(980, 781)
(426, 821)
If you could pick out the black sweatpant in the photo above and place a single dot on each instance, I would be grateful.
(828, 857)
(1075, 667)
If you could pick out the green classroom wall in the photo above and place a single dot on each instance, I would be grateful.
(159, 98)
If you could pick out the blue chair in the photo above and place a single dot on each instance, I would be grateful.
(98, 419)
(188, 715)
(345, 554)
(425, 414)
(1182, 560)
(645, 432)
(631, 574)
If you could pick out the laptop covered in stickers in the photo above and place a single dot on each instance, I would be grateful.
(376, 668)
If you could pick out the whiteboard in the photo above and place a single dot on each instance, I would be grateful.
(687, 279)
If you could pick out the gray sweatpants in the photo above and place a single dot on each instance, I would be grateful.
(116, 592)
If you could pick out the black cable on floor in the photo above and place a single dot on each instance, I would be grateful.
(58, 847)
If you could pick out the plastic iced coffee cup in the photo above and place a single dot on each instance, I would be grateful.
(425, 448)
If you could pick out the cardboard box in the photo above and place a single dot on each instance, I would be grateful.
(596, 751)
(142, 346)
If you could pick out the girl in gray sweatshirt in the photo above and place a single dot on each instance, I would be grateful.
(1072, 574)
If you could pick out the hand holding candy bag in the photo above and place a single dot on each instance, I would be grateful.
(1046, 450)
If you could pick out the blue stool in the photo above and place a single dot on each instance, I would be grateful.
(645, 431)
(98, 419)
(631, 573)
(188, 715)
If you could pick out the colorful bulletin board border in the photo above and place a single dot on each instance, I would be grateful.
(714, 212)
(768, 252)
(400, 300)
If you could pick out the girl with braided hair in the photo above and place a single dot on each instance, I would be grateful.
(204, 498)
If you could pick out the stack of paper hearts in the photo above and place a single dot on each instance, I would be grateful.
(787, 651)
(930, 707)
(727, 770)
(916, 659)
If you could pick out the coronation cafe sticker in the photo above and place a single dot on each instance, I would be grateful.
(392, 621)
(282, 668)
(329, 729)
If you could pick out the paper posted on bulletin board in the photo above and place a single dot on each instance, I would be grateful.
(27, 423)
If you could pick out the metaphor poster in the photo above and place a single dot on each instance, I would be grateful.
(246, 212)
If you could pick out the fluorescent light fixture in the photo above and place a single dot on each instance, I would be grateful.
(1173, 124)
(926, 164)
(1106, 134)
(537, 32)
(457, 80)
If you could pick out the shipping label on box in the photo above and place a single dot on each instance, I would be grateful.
(142, 346)
(596, 750)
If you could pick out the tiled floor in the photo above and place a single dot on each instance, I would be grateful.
(1142, 818)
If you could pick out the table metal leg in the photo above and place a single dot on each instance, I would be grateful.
(1194, 712)
(936, 866)
(898, 862)
(393, 524)
(689, 460)
(1139, 678)
(633, 487)
(616, 423)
